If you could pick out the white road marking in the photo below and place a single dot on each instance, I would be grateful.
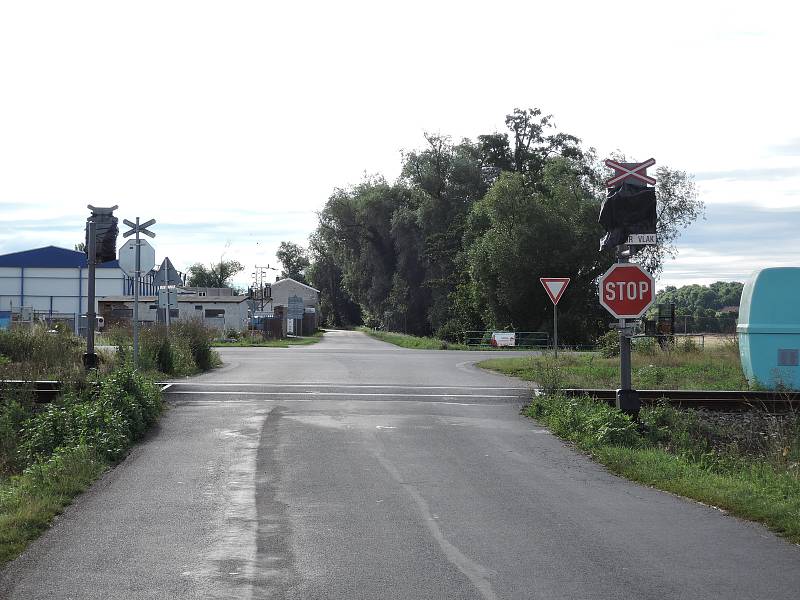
(343, 386)
(256, 402)
(165, 386)
(371, 394)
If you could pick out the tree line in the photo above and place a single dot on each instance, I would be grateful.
(459, 241)
(700, 308)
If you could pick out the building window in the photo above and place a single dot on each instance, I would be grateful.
(198, 307)
(215, 313)
(201, 294)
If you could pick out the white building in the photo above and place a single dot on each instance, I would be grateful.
(284, 288)
(220, 312)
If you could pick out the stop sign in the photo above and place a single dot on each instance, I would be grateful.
(627, 290)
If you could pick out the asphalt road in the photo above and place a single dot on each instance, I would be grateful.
(353, 469)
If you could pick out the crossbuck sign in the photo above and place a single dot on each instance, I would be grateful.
(626, 171)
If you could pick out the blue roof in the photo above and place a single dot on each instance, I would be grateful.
(51, 257)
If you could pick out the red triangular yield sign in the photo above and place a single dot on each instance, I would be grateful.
(554, 286)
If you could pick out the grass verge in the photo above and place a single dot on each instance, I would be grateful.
(28, 502)
(285, 343)
(717, 368)
(751, 471)
(48, 457)
(411, 341)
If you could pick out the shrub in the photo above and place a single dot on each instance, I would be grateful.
(548, 373)
(688, 345)
(199, 338)
(13, 413)
(451, 332)
(233, 334)
(40, 353)
(155, 349)
(585, 421)
(608, 344)
(107, 417)
(182, 349)
(646, 346)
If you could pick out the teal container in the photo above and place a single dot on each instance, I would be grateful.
(769, 328)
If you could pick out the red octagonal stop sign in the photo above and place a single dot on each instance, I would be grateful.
(627, 290)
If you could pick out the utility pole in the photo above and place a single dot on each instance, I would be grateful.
(136, 229)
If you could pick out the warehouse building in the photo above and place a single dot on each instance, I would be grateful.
(55, 280)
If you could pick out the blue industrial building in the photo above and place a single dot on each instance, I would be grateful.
(54, 281)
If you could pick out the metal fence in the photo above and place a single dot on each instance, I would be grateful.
(522, 339)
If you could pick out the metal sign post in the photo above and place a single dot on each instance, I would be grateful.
(555, 286)
(627, 290)
(90, 358)
(136, 229)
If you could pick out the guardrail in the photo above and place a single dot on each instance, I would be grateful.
(522, 339)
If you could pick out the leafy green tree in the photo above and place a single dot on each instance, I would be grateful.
(677, 207)
(702, 300)
(459, 241)
(518, 234)
(324, 273)
(294, 260)
(216, 275)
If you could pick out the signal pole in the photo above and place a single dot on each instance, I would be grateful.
(90, 358)
(136, 229)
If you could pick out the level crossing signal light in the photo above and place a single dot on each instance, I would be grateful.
(630, 205)
(106, 232)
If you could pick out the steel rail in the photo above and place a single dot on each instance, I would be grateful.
(736, 400)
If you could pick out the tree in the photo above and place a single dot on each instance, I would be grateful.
(677, 207)
(459, 240)
(294, 260)
(324, 273)
(517, 234)
(215, 275)
(80, 247)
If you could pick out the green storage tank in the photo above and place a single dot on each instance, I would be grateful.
(769, 328)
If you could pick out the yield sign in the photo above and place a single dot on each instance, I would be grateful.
(554, 286)
(625, 171)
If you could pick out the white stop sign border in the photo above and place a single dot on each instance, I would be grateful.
(652, 281)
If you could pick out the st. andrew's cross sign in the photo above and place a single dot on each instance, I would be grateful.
(632, 172)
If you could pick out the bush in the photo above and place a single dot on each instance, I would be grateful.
(688, 345)
(13, 413)
(451, 332)
(199, 338)
(155, 349)
(646, 346)
(548, 373)
(39, 353)
(585, 421)
(608, 344)
(106, 417)
(182, 349)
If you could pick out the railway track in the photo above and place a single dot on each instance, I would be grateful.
(721, 400)
(42, 391)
